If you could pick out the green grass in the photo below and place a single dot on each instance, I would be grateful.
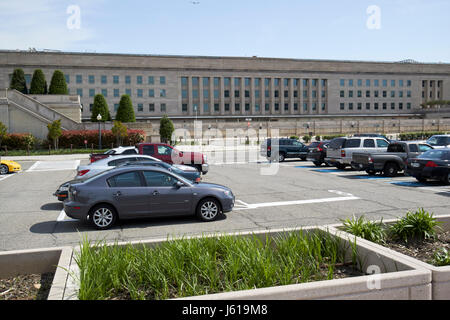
(441, 258)
(418, 225)
(15, 153)
(366, 229)
(189, 267)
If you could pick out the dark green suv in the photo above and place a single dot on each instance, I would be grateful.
(280, 149)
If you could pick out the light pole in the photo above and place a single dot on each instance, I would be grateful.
(99, 119)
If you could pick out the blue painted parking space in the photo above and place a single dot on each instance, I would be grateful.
(407, 183)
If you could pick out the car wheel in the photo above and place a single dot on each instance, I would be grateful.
(446, 179)
(281, 157)
(371, 172)
(340, 166)
(103, 216)
(4, 169)
(420, 179)
(390, 170)
(208, 209)
(317, 163)
(303, 158)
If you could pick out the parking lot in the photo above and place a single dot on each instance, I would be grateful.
(299, 194)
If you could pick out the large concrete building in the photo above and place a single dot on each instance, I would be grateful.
(187, 87)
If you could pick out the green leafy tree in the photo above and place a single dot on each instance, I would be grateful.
(125, 112)
(58, 83)
(18, 81)
(3, 133)
(38, 83)
(120, 131)
(54, 132)
(166, 129)
(100, 107)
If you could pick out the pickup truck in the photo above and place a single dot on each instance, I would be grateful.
(112, 152)
(340, 150)
(390, 162)
(170, 155)
(280, 149)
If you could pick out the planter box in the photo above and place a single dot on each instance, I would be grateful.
(38, 261)
(400, 279)
(440, 275)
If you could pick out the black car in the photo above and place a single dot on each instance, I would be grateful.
(433, 164)
(283, 148)
(318, 152)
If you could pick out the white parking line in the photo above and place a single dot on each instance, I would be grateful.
(346, 197)
(42, 166)
(6, 176)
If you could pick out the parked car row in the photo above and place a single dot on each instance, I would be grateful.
(134, 185)
(372, 153)
(161, 151)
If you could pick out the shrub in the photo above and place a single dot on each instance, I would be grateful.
(332, 136)
(294, 137)
(307, 138)
(441, 258)
(76, 138)
(58, 83)
(417, 225)
(38, 83)
(125, 112)
(365, 229)
(18, 81)
(166, 129)
(100, 107)
(418, 135)
(19, 141)
(120, 132)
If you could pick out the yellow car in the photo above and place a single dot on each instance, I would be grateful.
(7, 166)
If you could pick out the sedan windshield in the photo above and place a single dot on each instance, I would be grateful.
(439, 141)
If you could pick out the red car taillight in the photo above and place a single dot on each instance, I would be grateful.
(370, 160)
(198, 180)
(82, 172)
(431, 164)
(342, 153)
(319, 149)
(269, 148)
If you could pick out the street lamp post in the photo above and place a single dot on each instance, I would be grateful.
(99, 119)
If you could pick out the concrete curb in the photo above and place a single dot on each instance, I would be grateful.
(440, 276)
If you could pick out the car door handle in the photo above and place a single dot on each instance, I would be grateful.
(117, 194)
(155, 193)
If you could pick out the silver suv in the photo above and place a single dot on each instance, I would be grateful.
(340, 150)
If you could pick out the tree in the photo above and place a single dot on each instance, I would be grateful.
(3, 133)
(58, 83)
(125, 112)
(166, 129)
(54, 132)
(38, 84)
(100, 107)
(18, 81)
(120, 131)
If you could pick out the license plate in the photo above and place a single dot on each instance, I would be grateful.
(415, 164)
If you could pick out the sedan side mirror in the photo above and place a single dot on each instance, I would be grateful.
(179, 184)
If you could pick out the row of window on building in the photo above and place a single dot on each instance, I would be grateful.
(375, 106)
(116, 92)
(256, 81)
(257, 94)
(376, 94)
(375, 82)
(91, 79)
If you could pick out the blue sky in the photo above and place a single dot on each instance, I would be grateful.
(303, 29)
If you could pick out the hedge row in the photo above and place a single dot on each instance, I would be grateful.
(76, 139)
(418, 135)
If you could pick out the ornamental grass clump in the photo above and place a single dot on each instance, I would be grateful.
(190, 267)
(441, 258)
(417, 225)
(366, 229)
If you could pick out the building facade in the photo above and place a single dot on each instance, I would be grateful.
(188, 87)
